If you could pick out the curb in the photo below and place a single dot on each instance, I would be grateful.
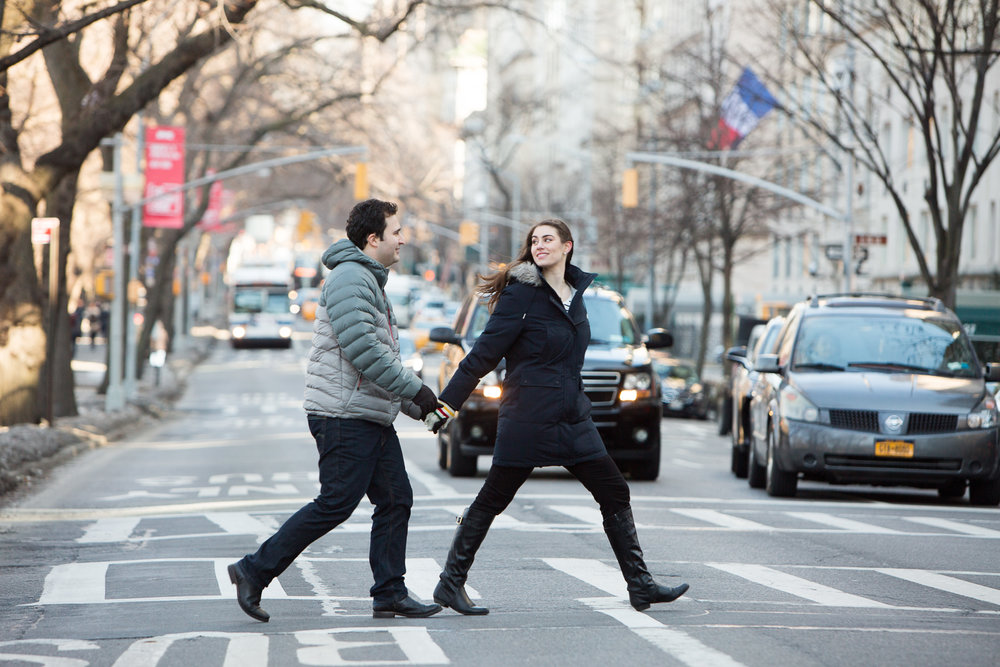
(28, 451)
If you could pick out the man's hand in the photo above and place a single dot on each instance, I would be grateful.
(426, 401)
(437, 419)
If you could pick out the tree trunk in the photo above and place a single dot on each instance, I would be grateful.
(60, 205)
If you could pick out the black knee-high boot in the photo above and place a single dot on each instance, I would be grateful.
(642, 589)
(450, 591)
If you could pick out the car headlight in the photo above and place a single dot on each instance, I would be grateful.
(795, 405)
(984, 415)
(636, 386)
(695, 389)
(285, 332)
(239, 331)
(638, 381)
(490, 385)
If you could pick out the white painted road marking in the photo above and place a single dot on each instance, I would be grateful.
(679, 645)
(957, 526)
(798, 586)
(945, 583)
(720, 519)
(849, 525)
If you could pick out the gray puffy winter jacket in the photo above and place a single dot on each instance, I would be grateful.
(354, 370)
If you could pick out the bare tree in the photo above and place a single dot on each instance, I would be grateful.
(929, 62)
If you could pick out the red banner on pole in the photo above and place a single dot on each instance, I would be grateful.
(164, 171)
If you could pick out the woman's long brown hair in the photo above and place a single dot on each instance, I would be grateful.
(491, 286)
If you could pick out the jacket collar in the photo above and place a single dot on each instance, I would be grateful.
(529, 274)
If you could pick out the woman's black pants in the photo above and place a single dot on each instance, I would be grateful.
(600, 476)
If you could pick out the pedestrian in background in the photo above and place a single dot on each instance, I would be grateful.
(355, 387)
(539, 324)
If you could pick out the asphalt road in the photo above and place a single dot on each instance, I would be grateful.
(119, 557)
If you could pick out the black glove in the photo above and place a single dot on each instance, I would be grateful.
(426, 401)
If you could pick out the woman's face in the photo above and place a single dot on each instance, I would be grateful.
(546, 247)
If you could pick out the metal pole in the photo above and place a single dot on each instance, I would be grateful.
(115, 398)
(53, 314)
(849, 227)
(133, 277)
(650, 305)
(515, 229)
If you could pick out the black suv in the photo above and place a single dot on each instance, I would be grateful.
(618, 379)
(875, 389)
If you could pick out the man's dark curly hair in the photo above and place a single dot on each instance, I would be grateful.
(368, 217)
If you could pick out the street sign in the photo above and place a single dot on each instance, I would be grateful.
(870, 239)
(41, 230)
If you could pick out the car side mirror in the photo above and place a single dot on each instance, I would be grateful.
(767, 363)
(993, 372)
(657, 339)
(738, 355)
(444, 335)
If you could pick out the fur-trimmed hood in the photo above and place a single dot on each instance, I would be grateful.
(527, 273)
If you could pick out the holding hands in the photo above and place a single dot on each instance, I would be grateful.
(439, 417)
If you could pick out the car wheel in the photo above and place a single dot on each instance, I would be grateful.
(442, 453)
(952, 490)
(459, 465)
(756, 473)
(984, 491)
(647, 469)
(780, 483)
(739, 464)
(726, 415)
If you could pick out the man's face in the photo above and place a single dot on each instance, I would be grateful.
(386, 249)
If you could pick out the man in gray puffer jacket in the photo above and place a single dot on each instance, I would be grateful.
(355, 387)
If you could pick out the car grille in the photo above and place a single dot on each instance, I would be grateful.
(601, 387)
(855, 420)
(928, 422)
(867, 420)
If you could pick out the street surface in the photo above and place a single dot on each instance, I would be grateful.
(120, 557)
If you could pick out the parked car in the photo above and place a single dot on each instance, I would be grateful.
(681, 391)
(618, 379)
(409, 353)
(875, 389)
(763, 340)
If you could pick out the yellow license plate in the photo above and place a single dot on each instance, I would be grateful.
(897, 448)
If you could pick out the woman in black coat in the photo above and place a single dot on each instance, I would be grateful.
(539, 324)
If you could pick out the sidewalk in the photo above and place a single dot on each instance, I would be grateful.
(27, 451)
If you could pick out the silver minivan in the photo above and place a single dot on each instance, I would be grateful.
(875, 389)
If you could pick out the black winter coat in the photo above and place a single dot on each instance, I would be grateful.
(544, 415)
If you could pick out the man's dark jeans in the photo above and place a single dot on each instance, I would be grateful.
(356, 458)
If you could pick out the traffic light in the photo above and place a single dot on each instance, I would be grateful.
(630, 188)
(468, 232)
(306, 226)
(361, 181)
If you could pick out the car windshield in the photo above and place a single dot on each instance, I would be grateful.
(260, 301)
(610, 323)
(891, 344)
(678, 371)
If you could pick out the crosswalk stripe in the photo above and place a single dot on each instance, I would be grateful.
(958, 527)
(112, 529)
(239, 523)
(422, 576)
(945, 583)
(680, 645)
(591, 515)
(591, 571)
(840, 522)
(720, 519)
(797, 586)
